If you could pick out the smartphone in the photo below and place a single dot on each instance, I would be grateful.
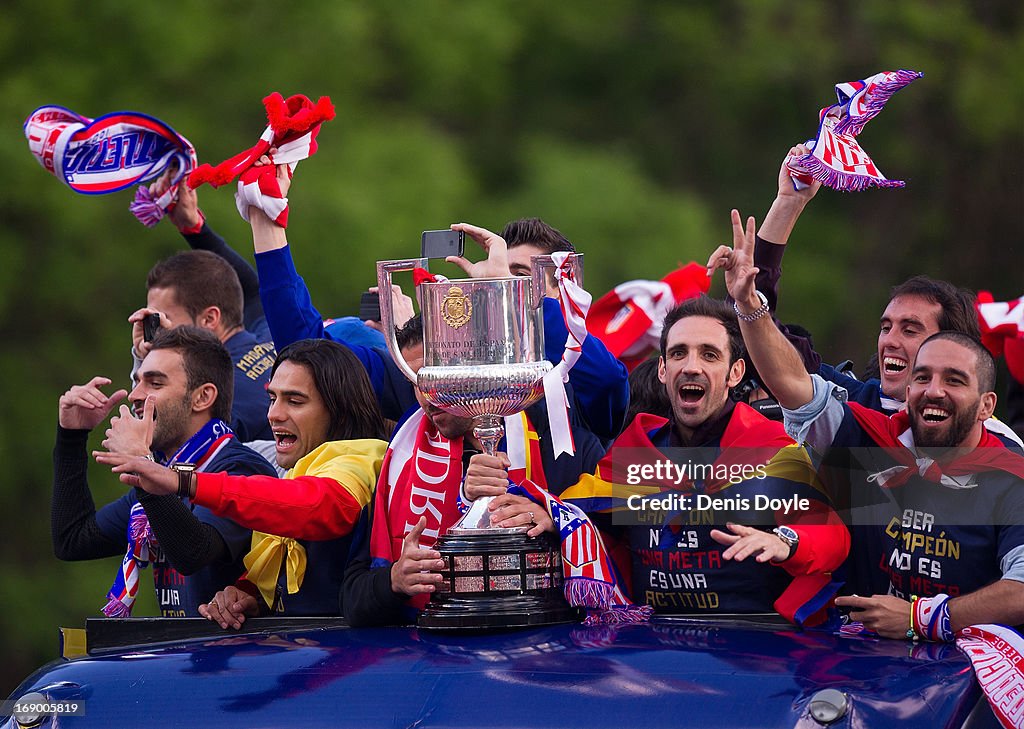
(150, 326)
(369, 306)
(442, 243)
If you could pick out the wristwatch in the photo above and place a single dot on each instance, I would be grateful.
(186, 478)
(789, 536)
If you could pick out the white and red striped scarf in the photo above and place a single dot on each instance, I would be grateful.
(574, 301)
(628, 318)
(1002, 330)
(836, 158)
(110, 153)
(997, 655)
(293, 127)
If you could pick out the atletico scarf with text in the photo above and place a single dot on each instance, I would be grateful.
(421, 477)
(110, 153)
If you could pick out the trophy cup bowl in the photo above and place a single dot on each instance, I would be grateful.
(483, 358)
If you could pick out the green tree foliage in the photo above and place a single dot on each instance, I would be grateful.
(632, 126)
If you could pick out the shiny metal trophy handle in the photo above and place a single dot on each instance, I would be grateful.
(387, 312)
(540, 264)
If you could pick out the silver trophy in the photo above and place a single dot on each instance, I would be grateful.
(483, 351)
(483, 358)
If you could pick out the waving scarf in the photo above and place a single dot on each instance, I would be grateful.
(1002, 330)
(836, 158)
(110, 153)
(293, 127)
(142, 544)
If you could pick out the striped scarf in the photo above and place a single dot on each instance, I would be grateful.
(110, 153)
(293, 127)
(836, 158)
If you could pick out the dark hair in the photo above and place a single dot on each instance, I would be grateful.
(200, 279)
(646, 392)
(985, 365)
(205, 360)
(534, 231)
(713, 309)
(957, 305)
(411, 333)
(343, 384)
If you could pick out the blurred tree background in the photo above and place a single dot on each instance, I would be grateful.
(632, 126)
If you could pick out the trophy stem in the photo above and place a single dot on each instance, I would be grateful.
(489, 430)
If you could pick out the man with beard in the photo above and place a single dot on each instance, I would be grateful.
(184, 388)
(939, 519)
(394, 569)
(699, 557)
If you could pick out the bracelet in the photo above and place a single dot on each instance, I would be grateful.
(911, 633)
(757, 313)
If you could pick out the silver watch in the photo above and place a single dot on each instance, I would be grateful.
(789, 536)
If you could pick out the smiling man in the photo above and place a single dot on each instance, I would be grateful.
(936, 499)
(184, 391)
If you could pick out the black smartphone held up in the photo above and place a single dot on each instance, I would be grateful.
(150, 326)
(442, 243)
(369, 306)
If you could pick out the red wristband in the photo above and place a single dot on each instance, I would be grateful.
(195, 228)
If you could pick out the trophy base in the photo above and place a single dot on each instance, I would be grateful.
(498, 580)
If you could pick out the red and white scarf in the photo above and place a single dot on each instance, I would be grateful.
(574, 301)
(628, 318)
(836, 158)
(1002, 330)
(293, 127)
(110, 153)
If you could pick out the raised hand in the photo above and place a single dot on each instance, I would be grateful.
(738, 264)
(139, 345)
(83, 407)
(496, 263)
